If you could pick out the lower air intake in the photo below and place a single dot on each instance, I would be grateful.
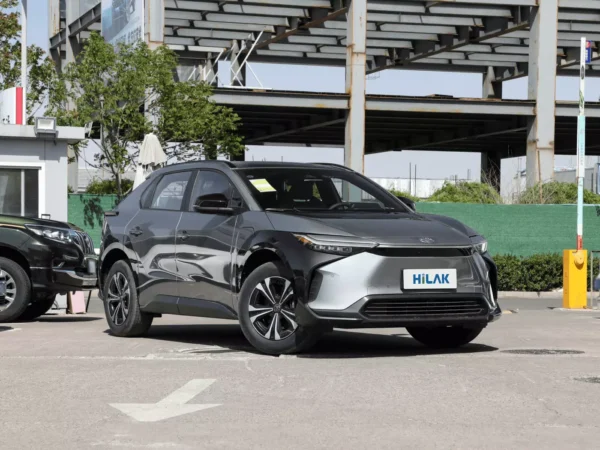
(426, 308)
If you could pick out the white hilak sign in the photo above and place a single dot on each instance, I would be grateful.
(172, 405)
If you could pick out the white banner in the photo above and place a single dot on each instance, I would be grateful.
(122, 21)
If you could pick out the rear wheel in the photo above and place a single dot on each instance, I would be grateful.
(18, 291)
(121, 304)
(38, 308)
(444, 337)
(267, 317)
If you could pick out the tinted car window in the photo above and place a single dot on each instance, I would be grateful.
(170, 190)
(210, 182)
(316, 189)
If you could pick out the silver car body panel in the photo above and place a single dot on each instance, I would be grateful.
(342, 283)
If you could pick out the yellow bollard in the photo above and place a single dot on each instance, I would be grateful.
(575, 279)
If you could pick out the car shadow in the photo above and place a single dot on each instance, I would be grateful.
(65, 319)
(340, 344)
(6, 328)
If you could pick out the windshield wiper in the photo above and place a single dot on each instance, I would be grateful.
(282, 209)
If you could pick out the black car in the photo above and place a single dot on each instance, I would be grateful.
(291, 251)
(39, 259)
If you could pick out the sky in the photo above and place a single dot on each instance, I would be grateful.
(391, 82)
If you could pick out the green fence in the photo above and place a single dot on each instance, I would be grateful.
(524, 229)
(510, 229)
(87, 211)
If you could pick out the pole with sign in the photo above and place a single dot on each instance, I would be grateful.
(575, 261)
(586, 57)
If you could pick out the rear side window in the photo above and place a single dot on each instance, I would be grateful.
(170, 191)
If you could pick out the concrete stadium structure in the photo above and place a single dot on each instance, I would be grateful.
(500, 39)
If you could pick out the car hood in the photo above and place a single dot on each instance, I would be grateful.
(384, 229)
(21, 221)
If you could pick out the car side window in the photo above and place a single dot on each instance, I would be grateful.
(209, 182)
(170, 191)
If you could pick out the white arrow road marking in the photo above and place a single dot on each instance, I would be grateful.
(172, 405)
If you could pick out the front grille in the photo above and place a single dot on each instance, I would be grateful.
(422, 252)
(425, 308)
(84, 242)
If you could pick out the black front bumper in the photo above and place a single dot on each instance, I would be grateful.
(61, 280)
(358, 315)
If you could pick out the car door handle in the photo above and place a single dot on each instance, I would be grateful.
(183, 235)
(135, 231)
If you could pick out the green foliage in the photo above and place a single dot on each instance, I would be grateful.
(41, 71)
(398, 193)
(114, 89)
(536, 273)
(466, 192)
(108, 187)
(557, 194)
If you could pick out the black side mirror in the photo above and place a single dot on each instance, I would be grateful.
(213, 203)
(408, 202)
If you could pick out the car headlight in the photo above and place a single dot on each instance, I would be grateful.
(480, 244)
(338, 245)
(55, 234)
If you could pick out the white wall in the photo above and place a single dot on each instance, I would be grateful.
(52, 159)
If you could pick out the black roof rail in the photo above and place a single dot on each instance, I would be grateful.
(341, 166)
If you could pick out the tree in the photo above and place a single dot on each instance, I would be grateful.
(41, 71)
(117, 90)
(466, 192)
(556, 193)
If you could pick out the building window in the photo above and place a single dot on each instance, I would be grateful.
(19, 192)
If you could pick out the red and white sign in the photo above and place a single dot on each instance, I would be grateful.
(11, 106)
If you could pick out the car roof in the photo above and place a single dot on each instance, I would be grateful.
(251, 165)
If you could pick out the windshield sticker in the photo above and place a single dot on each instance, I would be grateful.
(262, 185)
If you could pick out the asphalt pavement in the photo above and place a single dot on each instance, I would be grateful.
(531, 380)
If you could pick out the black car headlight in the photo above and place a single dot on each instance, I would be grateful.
(480, 244)
(63, 235)
(338, 245)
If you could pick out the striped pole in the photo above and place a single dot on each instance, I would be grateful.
(581, 145)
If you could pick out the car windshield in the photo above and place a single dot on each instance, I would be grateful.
(316, 189)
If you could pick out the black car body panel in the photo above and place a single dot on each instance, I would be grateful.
(53, 266)
(193, 260)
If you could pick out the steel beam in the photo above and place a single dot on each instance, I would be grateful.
(542, 89)
(356, 82)
(491, 87)
(260, 139)
(155, 23)
(72, 50)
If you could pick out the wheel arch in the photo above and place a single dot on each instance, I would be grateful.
(113, 256)
(15, 255)
(257, 258)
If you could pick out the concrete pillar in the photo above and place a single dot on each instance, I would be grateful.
(72, 50)
(490, 168)
(154, 33)
(356, 58)
(237, 72)
(491, 88)
(542, 89)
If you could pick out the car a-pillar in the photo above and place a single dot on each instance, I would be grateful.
(356, 79)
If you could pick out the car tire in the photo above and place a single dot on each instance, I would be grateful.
(19, 285)
(121, 306)
(38, 308)
(275, 332)
(444, 337)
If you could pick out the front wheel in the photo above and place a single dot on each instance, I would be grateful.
(39, 307)
(267, 313)
(18, 291)
(444, 337)
(121, 305)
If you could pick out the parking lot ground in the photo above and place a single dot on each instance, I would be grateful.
(375, 389)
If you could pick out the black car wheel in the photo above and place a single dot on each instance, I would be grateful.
(121, 305)
(444, 337)
(39, 307)
(18, 291)
(267, 318)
